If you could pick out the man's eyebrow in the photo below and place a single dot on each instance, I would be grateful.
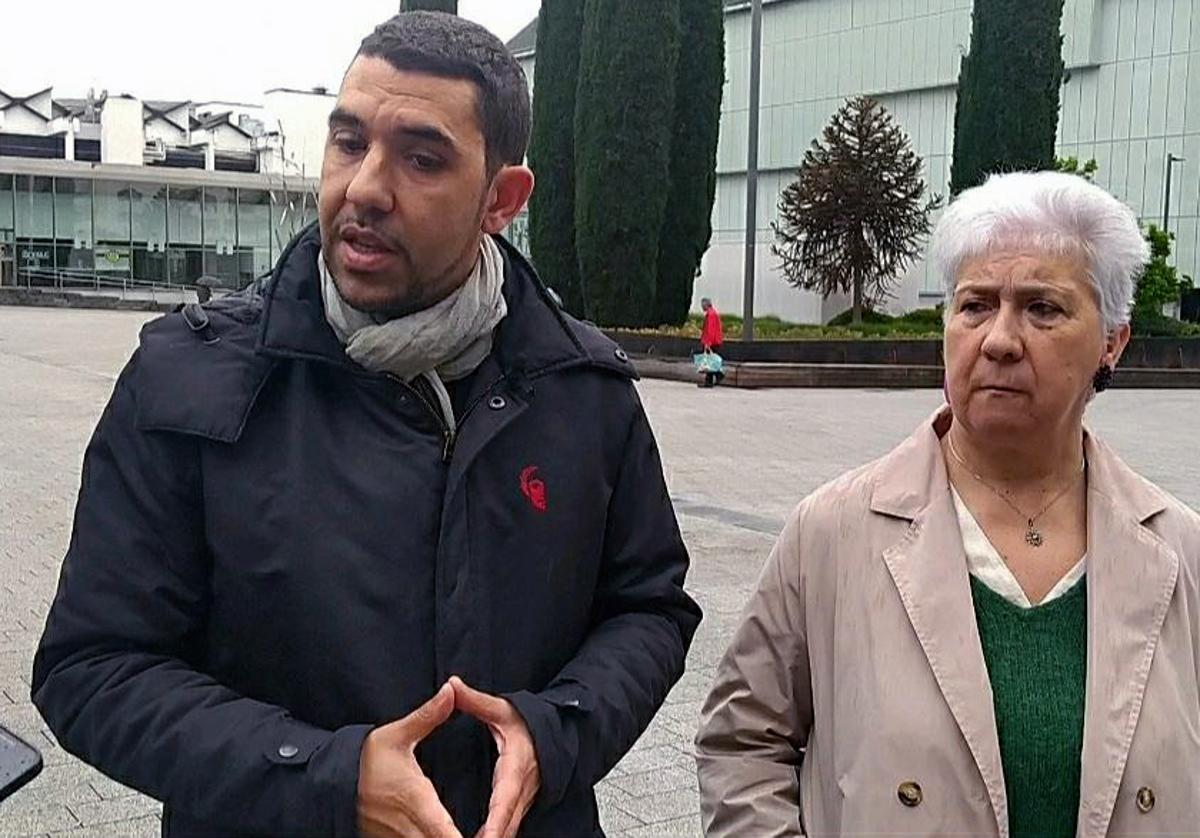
(342, 118)
(427, 133)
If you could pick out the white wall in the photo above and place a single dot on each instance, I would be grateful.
(303, 120)
(1133, 95)
(122, 138)
(19, 120)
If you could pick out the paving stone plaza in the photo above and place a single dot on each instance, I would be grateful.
(736, 461)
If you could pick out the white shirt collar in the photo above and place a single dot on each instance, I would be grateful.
(985, 563)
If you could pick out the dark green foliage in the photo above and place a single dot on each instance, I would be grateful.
(1160, 283)
(623, 126)
(857, 214)
(1006, 117)
(1072, 166)
(687, 228)
(450, 6)
(552, 150)
(927, 318)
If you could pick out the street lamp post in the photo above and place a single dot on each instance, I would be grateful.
(1171, 161)
(752, 170)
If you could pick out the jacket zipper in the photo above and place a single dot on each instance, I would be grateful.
(448, 435)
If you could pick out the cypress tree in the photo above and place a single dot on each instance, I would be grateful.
(1006, 117)
(552, 150)
(623, 126)
(450, 6)
(687, 227)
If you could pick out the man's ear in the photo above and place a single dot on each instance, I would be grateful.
(507, 196)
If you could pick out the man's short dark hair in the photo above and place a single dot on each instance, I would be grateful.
(448, 46)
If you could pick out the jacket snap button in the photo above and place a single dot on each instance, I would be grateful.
(1145, 799)
(288, 751)
(910, 794)
(622, 355)
(497, 403)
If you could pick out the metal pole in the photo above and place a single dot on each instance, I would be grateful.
(1171, 160)
(752, 170)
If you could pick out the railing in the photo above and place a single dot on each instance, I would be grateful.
(82, 281)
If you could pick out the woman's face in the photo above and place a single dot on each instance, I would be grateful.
(1024, 338)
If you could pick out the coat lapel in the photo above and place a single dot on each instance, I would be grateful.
(1131, 577)
(929, 568)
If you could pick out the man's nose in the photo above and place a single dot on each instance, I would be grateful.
(370, 188)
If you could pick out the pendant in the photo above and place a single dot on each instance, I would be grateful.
(1033, 537)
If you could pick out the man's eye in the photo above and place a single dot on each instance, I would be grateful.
(972, 306)
(349, 143)
(425, 162)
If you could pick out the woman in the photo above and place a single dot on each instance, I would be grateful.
(995, 629)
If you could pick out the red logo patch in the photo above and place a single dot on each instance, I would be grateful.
(534, 488)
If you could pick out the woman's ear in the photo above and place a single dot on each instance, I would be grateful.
(1114, 345)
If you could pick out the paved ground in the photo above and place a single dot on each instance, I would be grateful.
(737, 462)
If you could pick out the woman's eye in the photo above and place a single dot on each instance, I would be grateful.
(1044, 309)
(972, 307)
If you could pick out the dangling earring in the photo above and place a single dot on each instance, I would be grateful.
(1103, 378)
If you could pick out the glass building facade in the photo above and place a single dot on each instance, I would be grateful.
(101, 232)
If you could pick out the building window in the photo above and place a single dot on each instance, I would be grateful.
(73, 235)
(34, 223)
(220, 235)
(114, 254)
(253, 234)
(184, 222)
(148, 210)
(7, 233)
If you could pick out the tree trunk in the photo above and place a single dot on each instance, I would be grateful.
(858, 298)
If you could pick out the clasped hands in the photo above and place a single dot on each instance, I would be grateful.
(397, 800)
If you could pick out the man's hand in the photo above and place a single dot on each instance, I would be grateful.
(516, 780)
(395, 798)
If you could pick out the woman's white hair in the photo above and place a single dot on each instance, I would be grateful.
(1059, 213)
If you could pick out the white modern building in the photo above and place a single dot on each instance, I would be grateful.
(113, 190)
(1131, 97)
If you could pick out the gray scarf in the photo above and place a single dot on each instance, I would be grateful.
(446, 341)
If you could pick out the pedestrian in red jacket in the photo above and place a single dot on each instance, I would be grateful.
(711, 338)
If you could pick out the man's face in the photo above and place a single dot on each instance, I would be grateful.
(403, 187)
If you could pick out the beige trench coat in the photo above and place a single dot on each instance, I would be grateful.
(857, 675)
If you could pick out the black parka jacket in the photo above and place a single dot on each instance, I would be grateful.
(275, 550)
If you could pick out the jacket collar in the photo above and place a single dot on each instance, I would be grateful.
(533, 338)
(1131, 576)
(914, 473)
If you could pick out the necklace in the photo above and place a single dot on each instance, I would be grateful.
(1033, 536)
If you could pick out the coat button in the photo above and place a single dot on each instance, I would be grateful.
(288, 751)
(622, 356)
(1145, 799)
(497, 403)
(910, 794)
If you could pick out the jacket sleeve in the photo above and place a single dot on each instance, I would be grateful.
(117, 675)
(755, 721)
(593, 712)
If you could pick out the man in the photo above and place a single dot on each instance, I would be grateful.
(381, 546)
(711, 338)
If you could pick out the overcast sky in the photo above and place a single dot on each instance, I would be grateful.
(204, 50)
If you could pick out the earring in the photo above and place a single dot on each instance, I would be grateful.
(1103, 378)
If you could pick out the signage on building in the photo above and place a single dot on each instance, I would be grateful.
(112, 259)
(36, 257)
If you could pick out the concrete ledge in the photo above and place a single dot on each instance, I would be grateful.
(52, 298)
(877, 376)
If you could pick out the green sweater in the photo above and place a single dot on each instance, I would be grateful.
(1037, 663)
